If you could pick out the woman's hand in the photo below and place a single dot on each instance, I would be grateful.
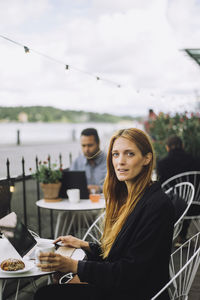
(71, 241)
(55, 262)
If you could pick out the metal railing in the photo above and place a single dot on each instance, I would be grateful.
(23, 179)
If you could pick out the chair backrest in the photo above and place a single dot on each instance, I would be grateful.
(5, 197)
(95, 231)
(184, 263)
(190, 176)
(184, 190)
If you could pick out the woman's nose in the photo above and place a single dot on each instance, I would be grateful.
(121, 160)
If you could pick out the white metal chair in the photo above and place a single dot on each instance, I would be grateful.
(95, 231)
(194, 178)
(184, 263)
(184, 190)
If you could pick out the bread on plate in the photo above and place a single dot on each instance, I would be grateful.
(12, 264)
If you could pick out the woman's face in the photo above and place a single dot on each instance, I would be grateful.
(127, 159)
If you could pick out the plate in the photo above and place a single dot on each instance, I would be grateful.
(28, 266)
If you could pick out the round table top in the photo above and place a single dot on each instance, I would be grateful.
(7, 250)
(84, 204)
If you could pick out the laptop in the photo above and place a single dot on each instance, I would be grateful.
(74, 180)
(17, 234)
(22, 240)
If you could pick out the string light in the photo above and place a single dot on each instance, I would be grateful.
(138, 91)
(28, 49)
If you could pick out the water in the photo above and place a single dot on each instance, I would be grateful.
(32, 133)
(43, 139)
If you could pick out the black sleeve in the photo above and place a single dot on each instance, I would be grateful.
(94, 253)
(141, 253)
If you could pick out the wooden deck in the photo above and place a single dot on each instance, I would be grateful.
(195, 290)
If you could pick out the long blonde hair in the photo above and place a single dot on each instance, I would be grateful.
(119, 204)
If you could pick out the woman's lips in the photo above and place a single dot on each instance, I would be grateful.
(122, 170)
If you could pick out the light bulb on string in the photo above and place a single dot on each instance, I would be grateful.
(26, 49)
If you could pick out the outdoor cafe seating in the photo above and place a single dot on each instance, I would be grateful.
(193, 177)
(184, 190)
(184, 263)
(189, 268)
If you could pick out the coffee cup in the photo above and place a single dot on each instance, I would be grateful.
(73, 195)
(41, 248)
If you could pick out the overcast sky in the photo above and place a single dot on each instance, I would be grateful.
(136, 44)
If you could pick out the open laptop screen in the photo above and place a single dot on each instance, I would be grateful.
(74, 180)
(17, 233)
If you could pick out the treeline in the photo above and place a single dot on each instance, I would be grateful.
(51, 114)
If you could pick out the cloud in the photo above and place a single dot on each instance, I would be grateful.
(136, 44)
(14, 13)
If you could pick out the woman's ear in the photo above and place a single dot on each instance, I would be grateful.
(148, 158)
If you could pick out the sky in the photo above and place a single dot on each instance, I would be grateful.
(124, 56)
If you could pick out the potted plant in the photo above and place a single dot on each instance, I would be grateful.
(49, 177)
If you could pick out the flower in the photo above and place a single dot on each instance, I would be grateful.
(47, 173)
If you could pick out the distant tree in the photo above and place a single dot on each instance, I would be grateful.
(51, 114)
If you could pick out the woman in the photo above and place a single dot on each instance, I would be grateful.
(133, 259)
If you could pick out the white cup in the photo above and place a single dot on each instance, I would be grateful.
(43, 247)
(73, 195)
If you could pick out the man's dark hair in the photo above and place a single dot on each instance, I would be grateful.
(174, 142)
(91, 131)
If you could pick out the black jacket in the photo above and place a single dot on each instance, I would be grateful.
(138, 262)
(176, 161)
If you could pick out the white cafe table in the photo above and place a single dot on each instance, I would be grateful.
(7, 251)
(71, 214)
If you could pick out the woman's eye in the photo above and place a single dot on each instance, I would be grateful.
(130, 153)
(115, 154)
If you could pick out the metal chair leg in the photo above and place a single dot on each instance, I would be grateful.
(17, 291)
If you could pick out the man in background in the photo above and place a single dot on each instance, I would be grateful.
(92, 160)
(177, 161)
(151, 117)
